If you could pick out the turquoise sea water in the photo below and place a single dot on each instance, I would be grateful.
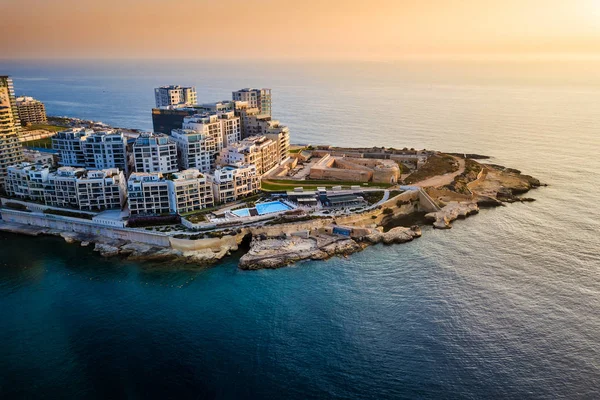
(504, 305)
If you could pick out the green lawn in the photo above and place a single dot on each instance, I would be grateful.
(51, 128)
(44, 143)
(284, 185)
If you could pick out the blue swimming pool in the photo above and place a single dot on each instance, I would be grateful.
(271, 207)
(262, 209)
(242, 212)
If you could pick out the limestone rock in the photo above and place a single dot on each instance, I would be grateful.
(454, 210)
(106, 250)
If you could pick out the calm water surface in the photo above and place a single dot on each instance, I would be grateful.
(505, 305)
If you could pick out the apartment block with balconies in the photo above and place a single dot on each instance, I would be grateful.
(190, 190)
(11, 152)
(232, 182)
(155, 153)
(31, 111)
(148, 194)
(258, 150)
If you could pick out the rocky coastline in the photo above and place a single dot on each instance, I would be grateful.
(480, 185)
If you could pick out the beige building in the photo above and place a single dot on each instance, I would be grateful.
(355, 169)
(175, 96)
(189, 191)
(258, 150)
(31, 111)
(254, 123)
(256, 98)
(11, 151)
(203, 137)
(230, 183)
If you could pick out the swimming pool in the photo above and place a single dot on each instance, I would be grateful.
(242, 212)
(271, 207)
(262, 209)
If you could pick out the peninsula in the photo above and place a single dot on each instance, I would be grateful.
(216, 178)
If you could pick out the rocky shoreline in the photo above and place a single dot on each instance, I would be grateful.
(480, 185)
(278, 252)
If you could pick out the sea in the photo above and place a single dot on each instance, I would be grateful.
(505, 305)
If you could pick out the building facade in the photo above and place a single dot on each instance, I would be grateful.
(148, 194)
(203, 137)
(31, 111)
(27, 181)
(174, 96)
(155, 153)
(11, 152)
(258, 150)
(69, 145)
(101, 190)
(231, 182)
(189, 191)
(69, 187)
(104, 150)
(256, 98)
(79, 147)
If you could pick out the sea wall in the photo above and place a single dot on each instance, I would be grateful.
(68, 224)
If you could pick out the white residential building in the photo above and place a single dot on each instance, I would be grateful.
(175, 96)
(104, 150)
(27, 181)
(259, 98)
(79, 147)
(232, 182)
(69, 145)
(148, 193)
(196, 150)
(189, 191)
(155, 153)
(258, 150)
(86, 190)
(101, 190)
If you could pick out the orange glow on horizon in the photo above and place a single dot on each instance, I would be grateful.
(310, 29)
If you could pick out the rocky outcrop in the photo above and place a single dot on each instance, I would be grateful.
(106, 250)
(454, 210)
(395, 235)
(279, 252)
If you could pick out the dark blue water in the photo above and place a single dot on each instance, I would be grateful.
(502, 306)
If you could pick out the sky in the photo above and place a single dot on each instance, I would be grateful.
(302, 29)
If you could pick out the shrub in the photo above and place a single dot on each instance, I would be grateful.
(373, 216)
(65, 213)
(388, 211)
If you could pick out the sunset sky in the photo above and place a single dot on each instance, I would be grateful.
(307, 29)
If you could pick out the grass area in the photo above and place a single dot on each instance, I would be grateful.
(297, 150)
(45, 143)
(285, 184)
(51, 128)
(436, 165)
